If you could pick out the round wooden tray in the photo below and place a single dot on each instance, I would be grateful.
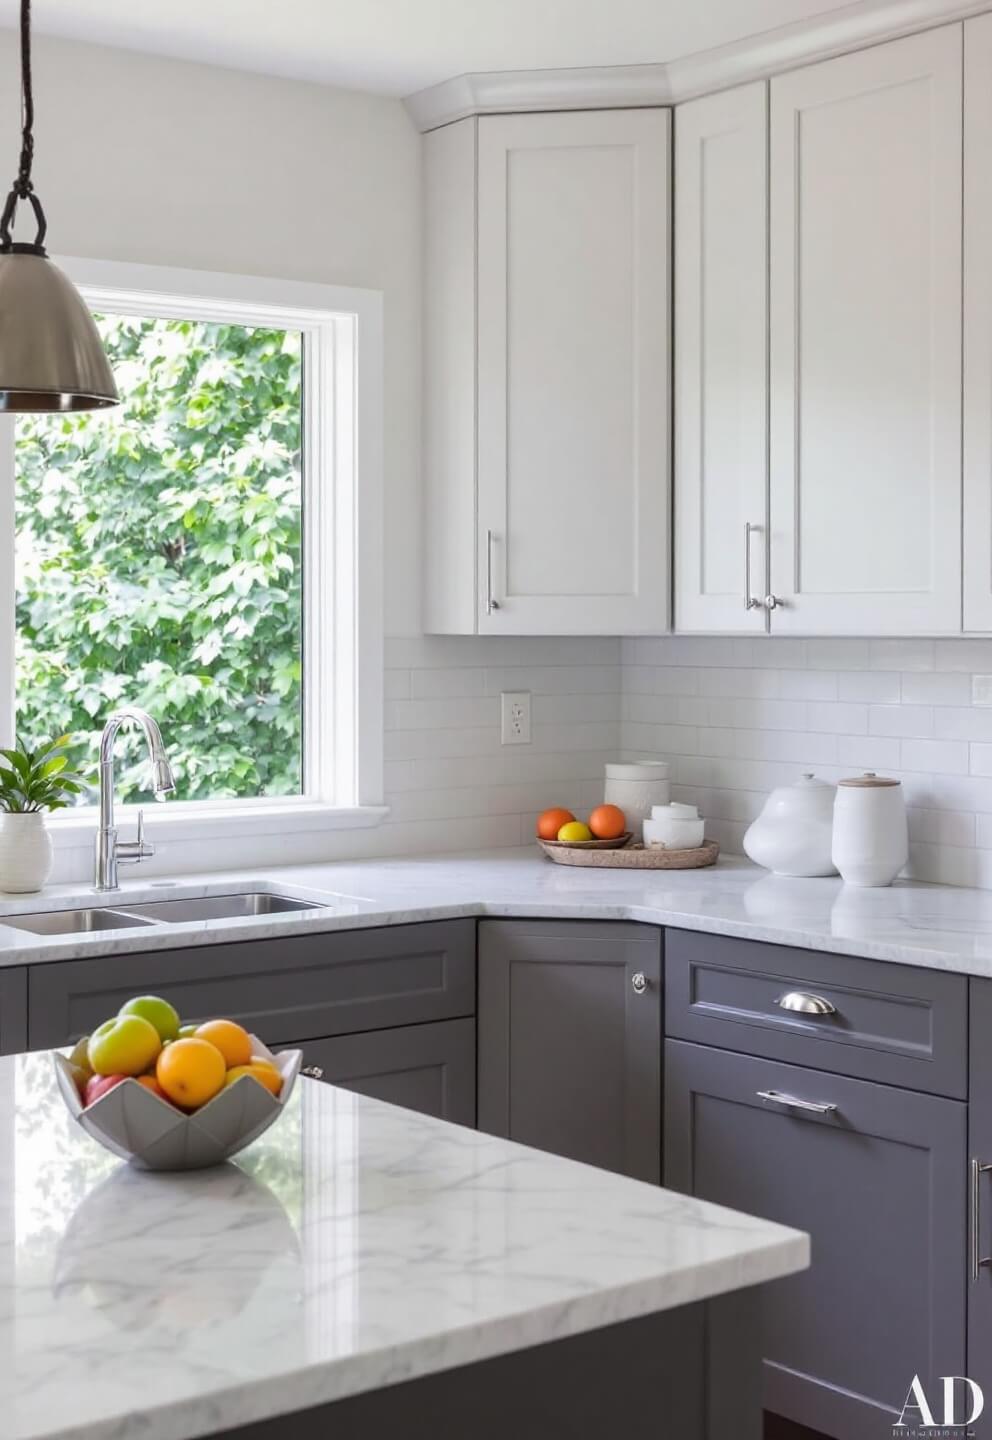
(632, 857)
(616, 844)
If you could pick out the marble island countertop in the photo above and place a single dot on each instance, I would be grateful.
(934, 926)
(354, 1245)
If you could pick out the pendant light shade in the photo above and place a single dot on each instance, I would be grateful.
(51, 355)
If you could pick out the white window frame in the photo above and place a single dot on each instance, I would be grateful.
(343, 566)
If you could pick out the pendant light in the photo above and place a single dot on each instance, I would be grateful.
(51, 355)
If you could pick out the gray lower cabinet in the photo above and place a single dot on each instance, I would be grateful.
(430, 1068)
(305, 986)
(13, 1011)
(980, 1198)
(570, 1040)
(876, 1175)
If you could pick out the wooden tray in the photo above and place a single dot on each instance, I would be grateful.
(616, 844)
(632, 857)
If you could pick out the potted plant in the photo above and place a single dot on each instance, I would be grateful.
(32, 782)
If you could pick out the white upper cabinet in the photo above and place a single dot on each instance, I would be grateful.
(866, 228)
(978, 325)
(721, 381)
(547, 345)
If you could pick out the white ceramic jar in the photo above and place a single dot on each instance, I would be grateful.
(793, 833)
(870, 839)
(25, 852)
(636, 787)
(673, 827)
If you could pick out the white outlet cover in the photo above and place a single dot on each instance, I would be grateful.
(514, 717)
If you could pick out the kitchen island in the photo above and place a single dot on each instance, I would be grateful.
(363, 1270)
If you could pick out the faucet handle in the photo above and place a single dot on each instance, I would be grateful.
(130, 852)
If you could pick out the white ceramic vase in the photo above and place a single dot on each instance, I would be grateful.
(793, 833)
(26, 854)
(870, 840)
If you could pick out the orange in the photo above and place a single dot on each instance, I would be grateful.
(551, 822)
(191, 1072)
(231, 1039)
(607, 822)
(261, 1070)
(150, 1083)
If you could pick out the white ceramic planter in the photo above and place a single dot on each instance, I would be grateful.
(26, 854)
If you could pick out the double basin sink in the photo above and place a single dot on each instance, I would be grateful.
(157, 912)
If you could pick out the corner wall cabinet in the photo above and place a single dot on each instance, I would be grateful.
(863, 209)
(546, 416)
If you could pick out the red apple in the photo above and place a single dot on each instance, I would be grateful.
(98, 1085)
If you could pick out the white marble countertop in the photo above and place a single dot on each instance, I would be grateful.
(353, 1246)
(935, 926)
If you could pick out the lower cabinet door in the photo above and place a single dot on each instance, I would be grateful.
(980, 1200)
(430, 1068)
(13, 1011)
(570, 1040)
(877, 1176)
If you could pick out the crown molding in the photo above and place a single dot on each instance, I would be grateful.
(866, 22)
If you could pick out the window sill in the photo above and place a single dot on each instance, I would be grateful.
(75, 830)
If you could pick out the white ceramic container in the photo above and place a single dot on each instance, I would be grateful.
(25, 853)
(673, 827)
(870, 837)
(636, 787)
(793, 834)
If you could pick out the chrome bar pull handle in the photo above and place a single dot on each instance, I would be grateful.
(813, 1106)
(805, 1004)
(751, 602)
(491, 603)
(975, 1260)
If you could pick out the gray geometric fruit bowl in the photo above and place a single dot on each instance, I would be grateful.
(151, 1134)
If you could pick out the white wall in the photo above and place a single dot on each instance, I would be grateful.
(168, 163)
(738, 717)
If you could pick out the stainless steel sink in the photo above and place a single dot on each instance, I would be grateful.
(74, 922)
(218, 907)
(157, 912)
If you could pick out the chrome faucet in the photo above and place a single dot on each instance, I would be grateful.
(111, 852)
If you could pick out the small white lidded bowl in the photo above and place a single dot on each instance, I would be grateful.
(673, 827)
(140, 1127)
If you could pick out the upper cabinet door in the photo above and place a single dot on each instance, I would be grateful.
(978, 324)
(721, 365)
(866, 341)
(573, 376)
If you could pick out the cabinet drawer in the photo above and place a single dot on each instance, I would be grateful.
(876, 1176)
(13, 1011)
(891, 1023)
(430, 1068)
(283, 990)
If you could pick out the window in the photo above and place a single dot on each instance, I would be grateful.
(209, 549)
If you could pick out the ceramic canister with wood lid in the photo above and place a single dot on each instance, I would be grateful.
(870, 837)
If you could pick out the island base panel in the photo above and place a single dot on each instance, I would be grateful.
(687, 1374)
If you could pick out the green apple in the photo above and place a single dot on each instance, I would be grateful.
(79, 1059)
(157, 1012)
(186, 1032)
(126, 1045)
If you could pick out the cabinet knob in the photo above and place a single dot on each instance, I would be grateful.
(805, 1004)
(639, 982)
(772, 602)
(313, 1071)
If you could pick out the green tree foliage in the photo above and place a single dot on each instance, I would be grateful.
(159, 558)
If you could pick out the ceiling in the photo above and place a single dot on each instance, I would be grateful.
(394, 47)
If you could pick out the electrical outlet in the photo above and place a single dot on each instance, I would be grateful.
(514, 717)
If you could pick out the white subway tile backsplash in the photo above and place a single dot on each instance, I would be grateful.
(882, 687)
(909, 720)
(936, 688)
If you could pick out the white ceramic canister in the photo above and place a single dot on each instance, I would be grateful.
(674, 827)
(870, 839)
(25, 852)
(636, 787)
(793, 834)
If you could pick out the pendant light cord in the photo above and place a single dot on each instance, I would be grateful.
(23, 186)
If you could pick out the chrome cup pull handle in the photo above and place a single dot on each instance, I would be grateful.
(805, 1003)
(814, 1107)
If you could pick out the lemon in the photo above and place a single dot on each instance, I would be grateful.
(574, 830)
